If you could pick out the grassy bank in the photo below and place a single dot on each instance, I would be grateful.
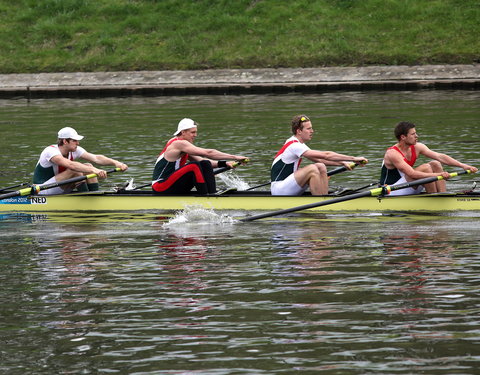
(113, 35)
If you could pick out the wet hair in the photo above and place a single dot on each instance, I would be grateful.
(297, 122)
(402, 128)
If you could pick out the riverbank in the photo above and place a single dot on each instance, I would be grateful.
(239, 81)
(93, 36)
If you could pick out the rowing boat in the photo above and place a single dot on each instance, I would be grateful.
(138, 200)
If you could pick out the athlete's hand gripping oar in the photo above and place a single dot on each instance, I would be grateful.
(343, 169)
(329, 173)
(227, 168)
(374, 192)
(35, 189)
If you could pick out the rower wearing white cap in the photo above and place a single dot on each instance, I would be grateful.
(181, 166)
(57, 163)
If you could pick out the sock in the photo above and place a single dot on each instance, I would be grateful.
(82, 187)
(93, 187)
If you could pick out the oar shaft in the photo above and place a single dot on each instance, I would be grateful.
(329, 173)
(235, 164)
(14, 186)
(340, 169)
(35, 189)
(424, 181)
(258, 186)
(221, 170)
(72, 180)
(374, 192)
(307, 206)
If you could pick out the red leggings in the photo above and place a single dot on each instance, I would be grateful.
(183, 180)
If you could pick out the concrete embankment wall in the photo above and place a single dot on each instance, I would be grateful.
(233, 81)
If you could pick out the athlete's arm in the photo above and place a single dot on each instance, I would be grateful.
(186, 147)
(76, 166)
(103, 160)
(442, 158)
(332, 158)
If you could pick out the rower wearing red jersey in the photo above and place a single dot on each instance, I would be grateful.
(181, 166)
(288, 178)
(399, 163)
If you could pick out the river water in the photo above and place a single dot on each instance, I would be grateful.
(147, 293)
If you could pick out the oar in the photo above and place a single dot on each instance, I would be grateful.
(258, 186)
(329, 173)
(14, 186)
(374, 192)
(341, 169)
(347, 191)
(35, 189)
(215, 172)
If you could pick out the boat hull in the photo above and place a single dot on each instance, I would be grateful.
(141, 201)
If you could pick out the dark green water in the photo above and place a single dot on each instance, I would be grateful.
(329, 294)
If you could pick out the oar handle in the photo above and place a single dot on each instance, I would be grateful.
(340, 169)
(235, 164)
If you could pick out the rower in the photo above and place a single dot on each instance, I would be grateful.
(181, 165)
(57, 163)
(398, 164)
(288, 178)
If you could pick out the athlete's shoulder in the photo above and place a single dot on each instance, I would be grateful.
(393, 152)
(51, 150)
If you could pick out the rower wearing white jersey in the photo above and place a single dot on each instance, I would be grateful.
(288, 178)
(57, 163)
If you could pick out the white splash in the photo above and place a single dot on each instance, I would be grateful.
(199, 216)
(231, 180)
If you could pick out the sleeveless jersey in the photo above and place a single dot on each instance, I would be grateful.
(45, 169)
(390, 176)
(164, 168)
(287, 160)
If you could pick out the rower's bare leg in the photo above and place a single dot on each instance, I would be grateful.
(65, 175)
(433, 167)
(315, 175)
(441, 185)
(93, 180)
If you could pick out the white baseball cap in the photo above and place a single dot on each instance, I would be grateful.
(186, 123)
(69, 132)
